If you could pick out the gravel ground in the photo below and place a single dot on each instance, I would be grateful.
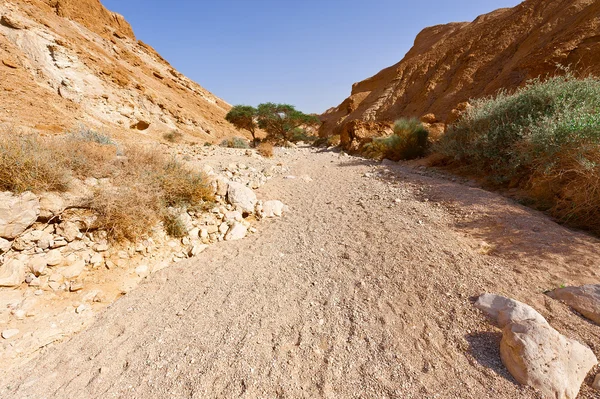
(363, 290)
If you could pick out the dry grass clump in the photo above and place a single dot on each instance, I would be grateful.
(174, 136)
(544, 138)
(148, 185)
(409, 141)
(265, 149)
(28, 164)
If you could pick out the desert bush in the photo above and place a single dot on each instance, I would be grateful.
(28, 164)
(331, 141)
(126, 211)
(235, 142)
(300, 134)
(173, 225)
(545, 138)
(265, 149)
(174, 136)
(409, 141)
(85, 134)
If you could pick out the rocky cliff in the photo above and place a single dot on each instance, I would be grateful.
(453, 63)
(65, 63)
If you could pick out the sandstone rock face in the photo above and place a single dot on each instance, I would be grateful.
(535, 353)
(585, 300)
(17, 213)
(539, 356)
(242, 196)
(64, 61)
(453, 63)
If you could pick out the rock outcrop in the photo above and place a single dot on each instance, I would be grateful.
(535, 353)
(66, 63)
(453, 63)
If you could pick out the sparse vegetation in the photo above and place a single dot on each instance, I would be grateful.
(142, 184)
(174, 136)
(300, 134)
(331, 141)
(265, 149)
(544, 138)
(235, 142)
(409, 141)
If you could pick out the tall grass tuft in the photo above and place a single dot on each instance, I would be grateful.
(544, 138)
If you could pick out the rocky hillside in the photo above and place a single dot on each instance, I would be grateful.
(69, 62)
(452, 63)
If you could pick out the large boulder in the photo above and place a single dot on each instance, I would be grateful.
(584, 299)
(12, 273)
(17, 213)
(535, 353)
(236, 232)
(504, 310)
(539, 356)
(241, 196)
(51, 204)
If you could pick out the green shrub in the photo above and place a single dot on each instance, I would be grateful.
(545, 138)
(300, 134)
(409, 141)
(235, 142)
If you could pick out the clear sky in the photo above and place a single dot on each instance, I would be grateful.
(303, 52)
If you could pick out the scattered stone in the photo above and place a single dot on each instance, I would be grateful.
(59, 242)
(4, 245)
(223, 228)
(38, 264)
(584, 299)
(273, 209)
(242, 196)
(54, 258)
(17, 213)
(142, 271)
(8, 334)
(101, 248)
(222, 186)
(237, 232)
(51, 205)
(76, 286)
(196, 249)
(12, 273)
(68, 230)
(535, 353)
(74, 270)
(81, 308)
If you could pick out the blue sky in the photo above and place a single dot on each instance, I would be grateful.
(303, 52)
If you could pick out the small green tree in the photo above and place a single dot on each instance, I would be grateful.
(280, 120)
(243, 117)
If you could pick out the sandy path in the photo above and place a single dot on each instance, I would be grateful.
(362, 291)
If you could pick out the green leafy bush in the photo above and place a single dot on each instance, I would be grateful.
(409, 141)
(545, 138)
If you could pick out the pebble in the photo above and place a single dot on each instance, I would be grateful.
(8, 334)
